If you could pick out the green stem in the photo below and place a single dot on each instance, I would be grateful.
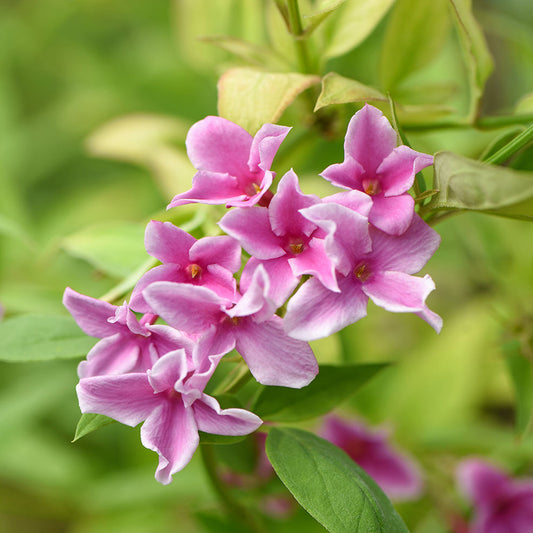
(484, 123)
(233, 507)
(299, 39)
(236, 379)
(504, 153)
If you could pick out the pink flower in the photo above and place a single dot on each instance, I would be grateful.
(210, 261)
(233, 167)
(502, 504)
(375, 165)
(127, 345)
(250, 327)
(369, 264)
(282, 240)
(398, 476)
(171, 402)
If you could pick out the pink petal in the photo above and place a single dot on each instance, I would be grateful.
(171, 432)
(398, 169)
(283, 209)
(408, 252)
(272, 356)
(347, 174)
(251, 227)
(355, 200)
(211, 188)
(128, 398)
(90, 314)
(220, 250)
(265, 145)
(392, 214)
(172, 367)
(218, 145)
(212, 419)
(219, 280)
(369, 138)
(112, 355)
(283, 281)
(315, 312)
(168, 243)
(186, 307)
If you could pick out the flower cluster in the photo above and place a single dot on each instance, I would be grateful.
(364, 242)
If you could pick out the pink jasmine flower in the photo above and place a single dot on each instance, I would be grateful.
(170, 400)
(398, 476)
(369, 264)
(282, 240)
(249, 326)
(233, 167)
(502, 504)
(128, 344)
(375, 165)
(210, 261)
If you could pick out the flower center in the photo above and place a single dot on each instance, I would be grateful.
(362, 272)
(371, 186)
(194, 271)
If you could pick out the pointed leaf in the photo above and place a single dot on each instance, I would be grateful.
(521, 372)
(333, 385)
(252, 98)
(467, 184)
(42, 337)
(321, 12)
(477, 56)
(353, 24)
(116, 248)
(90, 422)
(415, 34)
(329, 485)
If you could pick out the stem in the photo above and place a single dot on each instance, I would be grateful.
(233, 507)
(299, 40)
(236, 379)
(511, 147)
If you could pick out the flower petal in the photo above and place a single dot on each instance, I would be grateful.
(168, 243)
(171, 432)
(392, 214)
(315, 312)
(265, 144)
(272, 356)
(128, 398)
(346, 174)
(220, 250)
(212, 419)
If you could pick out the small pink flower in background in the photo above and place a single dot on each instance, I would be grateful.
(209, 262)
(375, 165)
(170, 400)
(502, 504)
(233, 167)
(128, 344)
(398, 476)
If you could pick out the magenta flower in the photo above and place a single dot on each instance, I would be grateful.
(210, 261)
(375, 165)
(369, 264)
(128, 344)
(171, 402)
(398, 476)
(502, 504)
(282, 240)
(250, 327)
(233, 167)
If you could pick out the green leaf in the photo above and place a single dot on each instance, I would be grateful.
(252, 98)
(521, 372)
(477, 56)
(500, 141)
(333, 385)
(353, 23)
(415, 34)
(467, 184)
(90, 422)
(525, 105)
(116, 248)
(337, 89)
(329, 485)
(42, 337)
(319, 14)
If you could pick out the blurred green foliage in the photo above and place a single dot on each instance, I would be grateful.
(70, 71)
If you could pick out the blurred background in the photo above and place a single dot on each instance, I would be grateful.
(96, 98)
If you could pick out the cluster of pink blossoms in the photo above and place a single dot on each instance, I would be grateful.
(364, 242)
